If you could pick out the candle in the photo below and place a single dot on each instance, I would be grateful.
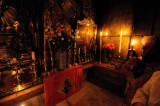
(120, 43)
(33, 56)
(95, 34)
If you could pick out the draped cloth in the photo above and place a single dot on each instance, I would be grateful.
(62, 84)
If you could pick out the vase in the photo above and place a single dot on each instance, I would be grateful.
(61, 60)
(109, 56)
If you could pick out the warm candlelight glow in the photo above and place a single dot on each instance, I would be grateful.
(19, 87)
(95, 32)
(106, 33)
(121, 32)
(101, 33)
(33, 56)
(133, 42)
(13, 72)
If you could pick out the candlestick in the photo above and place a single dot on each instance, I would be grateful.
(33, 56)
(79, 55)
(95, 34)
(132, 47)
(79, 50)
(45, 63)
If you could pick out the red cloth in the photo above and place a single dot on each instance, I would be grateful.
(55, 81)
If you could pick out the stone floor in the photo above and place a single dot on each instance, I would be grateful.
(89, 95)
(92, 95)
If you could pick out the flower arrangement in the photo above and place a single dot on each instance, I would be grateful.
(109, 49)
(109, 46)
(59, 37)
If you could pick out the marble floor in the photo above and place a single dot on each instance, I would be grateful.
(89, 95)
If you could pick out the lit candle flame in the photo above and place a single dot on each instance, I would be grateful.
(95, 32)
(106, 33)
(133, 42)
(13, 72)
(125, 33)
(101, 33)
(19, 87)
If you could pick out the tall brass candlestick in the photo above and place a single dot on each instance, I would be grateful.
(79, 55)
(45, 64)
(120, 44)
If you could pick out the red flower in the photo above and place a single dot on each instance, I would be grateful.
(106, 45)
(109, 46)
(51, 34)
(112, 47)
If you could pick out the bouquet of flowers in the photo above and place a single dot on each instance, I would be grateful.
(60, 42)
(60, 38)
(109, 49)
(109, 46)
